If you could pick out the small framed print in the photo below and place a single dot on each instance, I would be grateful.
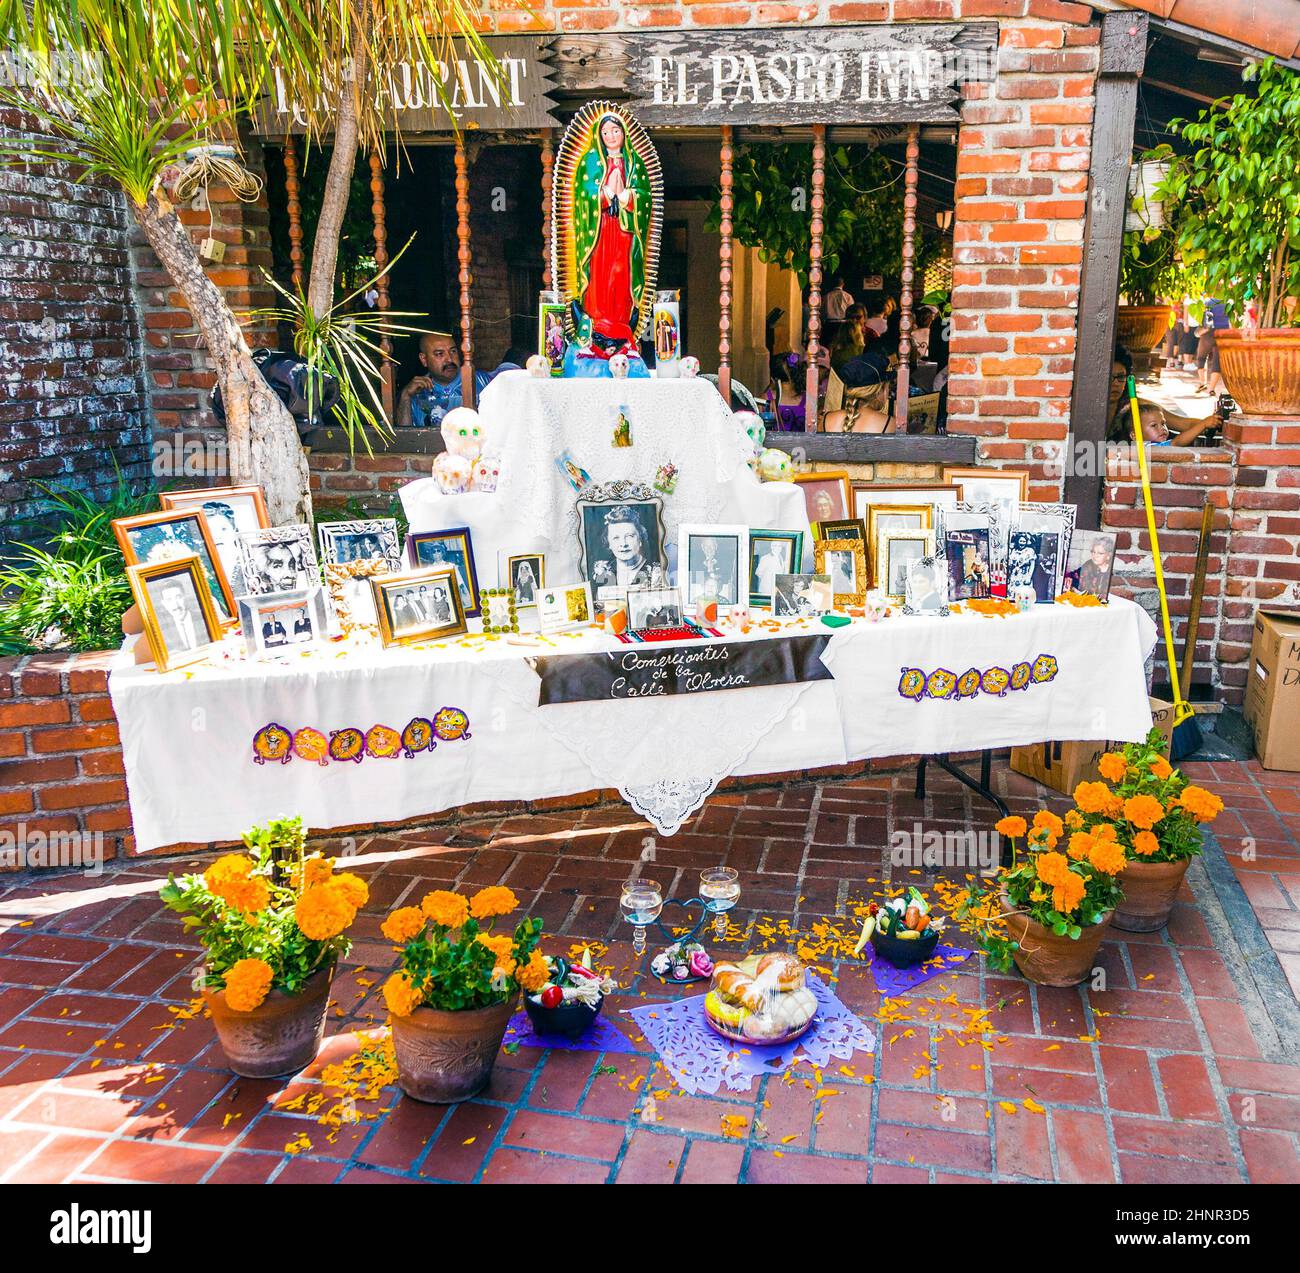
(171, 534)
(420, 605)
(499, 613)
(966, 550)
(1053, 519)
(713, 561)
(279, 559)
(899, 549)
(845, 561)
(1091, 563)
(650, 608)
(988, 486)
(525, 576)
(843, 528)
(802, 596)
(180, 621)
(772, 553)
(348, 586)
(826, 495)
(1032, 564)
(565, 608)
(866, 494)
(882, 518)
(230, 511)
(454, 547)
(342, 542)
(927, 586)
(997, 519)
(276, 623)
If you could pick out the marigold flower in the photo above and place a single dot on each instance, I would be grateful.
(233, 866)
(489, 902)
(535, 973)
(323, 911)
(246, 895)
(316, 870)
(403, 924)
(1143, 811)
(1112, 766)
(1145, 843)
(1161, 768)
(401, 996)
(353, 887)
(1092, 797)
(248, 982)
(1042, 838)
(1080, 845)
(498, 943)
(1045, 819)
(1203, 805)
(1074, 820)
(1067, 895)
(445, 908)
(1107, 856)
(1052, 868)
(1105, 831)
(1012, 826)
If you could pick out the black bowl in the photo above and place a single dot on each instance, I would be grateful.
(904, 954)
(569, 1020)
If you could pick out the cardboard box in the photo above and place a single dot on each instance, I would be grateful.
(1272, 706)
(1064, 765)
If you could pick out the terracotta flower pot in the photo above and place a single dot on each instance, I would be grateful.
(1049, 960)
(1138, 327)
(281, 1036)
(1263, 370)
(445, 1057)
(1149, 892)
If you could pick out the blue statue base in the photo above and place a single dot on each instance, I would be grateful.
(582, 363)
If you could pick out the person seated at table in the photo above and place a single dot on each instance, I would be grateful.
(627, 565)
(869, 367)
(850, 336)
(788, 391)
(426, 398)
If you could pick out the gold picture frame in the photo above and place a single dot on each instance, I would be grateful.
(199, 495)
(893, 538)
(418, 589)
(954, 475)
(823, 478)
(162, 626)
(934, 493)
(825, 549)
(352, 600)
(875, 529)
(841, 528)
(132, 531)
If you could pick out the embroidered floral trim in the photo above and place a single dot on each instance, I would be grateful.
(278, 743)
(914, 683)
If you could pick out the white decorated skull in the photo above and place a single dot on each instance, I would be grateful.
(487, 469)
(690, 367)
(618, 366)
(462, 432)
(452, 473)
(754, 428)
(774, 465)
(538, 365)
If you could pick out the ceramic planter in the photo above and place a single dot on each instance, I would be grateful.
(1049, 960)
(445, 1057)
(1149, 892)
(1262, 371)
(1138, 327)
(281, 1036)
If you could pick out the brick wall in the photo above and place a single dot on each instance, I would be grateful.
(71, 393)
(373, 480)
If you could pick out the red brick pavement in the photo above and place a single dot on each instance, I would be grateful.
(1167, 1074)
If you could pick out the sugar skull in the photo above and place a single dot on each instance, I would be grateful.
(690, 367)
(774, 465)
(452, 473)
(487, 469)
(538, 365)
(618, 366)
(754, 428)
(462, 432)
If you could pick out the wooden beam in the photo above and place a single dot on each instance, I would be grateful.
(908, 278)
(1123, 51)
(725, 205)
(818, 209)
(548, 173)
(379, 215)
(293, 205)
(466, 278)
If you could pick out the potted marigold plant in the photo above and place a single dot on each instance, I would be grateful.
(1047, 912)
(272, 922)
(1156, 815)
(450, 1001)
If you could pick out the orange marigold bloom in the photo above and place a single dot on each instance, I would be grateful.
(233, 866)
(1145, 843)
(247, 895)
(1161, 768)
(354, 888)
(498, 943)
(1080, 845)
(316, 870)
(534, 974)
(1046, 819)
(1052, 868)
(445, 908)
(1068, 893)
(1074, 820)
(323, 911)
(1112, 766)
(401, 996)
(1203, 805)
(1107, 856)
(1105, 831)
(489, 902)
(1143, 811)
(248, 982)
(1012, 826)
(403, 924)
(1092, 797)
(1041, 838)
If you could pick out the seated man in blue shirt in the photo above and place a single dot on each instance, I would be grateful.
(426, 399)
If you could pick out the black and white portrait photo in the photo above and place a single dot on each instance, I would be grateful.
(180, 616)
(155, 537)
(839, 565)
(709, 562)
(449, 548)
(421, 605)
(280, 559)
(342, 542)
(654, 608)
(180, 621)
(1022, 559)
(901, 549)
(771, 553)
(927, 585)
(527, 575)
(230, 511)
(802, 595)
(622, 544)
(283, 621)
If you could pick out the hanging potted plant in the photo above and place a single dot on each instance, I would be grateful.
(1157, 817)
(272, 922)
(1241, 226)
(1046, 913)
(450, 1001)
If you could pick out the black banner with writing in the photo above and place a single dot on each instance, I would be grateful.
(647, 671)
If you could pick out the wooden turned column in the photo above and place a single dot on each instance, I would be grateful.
(548, 172)
(908, 279)
(818, 207)
(465, 277)
(382, 303)
(726, 203)
(293, 205)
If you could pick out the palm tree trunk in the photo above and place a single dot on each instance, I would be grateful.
(261, 436)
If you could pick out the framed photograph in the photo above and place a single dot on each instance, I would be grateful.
(621, 536)
(562, 609)
(845, 561)
(341, 542)
(499, 612)
(348, 586)
(900, 548)
(1055, 519)
(419, 605)
(436, 548)
(865, 494)
(826, 495)
(180, 621)
(882, 518)
(525, 575)
(772, 553)
(1032, 564)
(230, 512)
(283, 622)
(989, 486)
(843, 528)
(802, 596)
(170, 534)
(997, 519)
(279, 559)
(650, 608)
(927, 586)
(1090, 563)
(967, 554)
(713, 561)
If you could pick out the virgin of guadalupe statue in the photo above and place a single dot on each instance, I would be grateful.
(608, 210)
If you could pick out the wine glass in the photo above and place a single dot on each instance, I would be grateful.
(642, 901)
(720, 889)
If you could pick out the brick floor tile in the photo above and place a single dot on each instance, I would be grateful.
(520, 1167)
(1187, 1088)
(1082, 1148)
(765, 1168)
(651, 1159)
(1023, 1147)
(934, 1148)
(150, 1163)
(577, 1136)
(1271, 1157)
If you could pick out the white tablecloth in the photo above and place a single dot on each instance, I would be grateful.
(529, 421)
(187, 738)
